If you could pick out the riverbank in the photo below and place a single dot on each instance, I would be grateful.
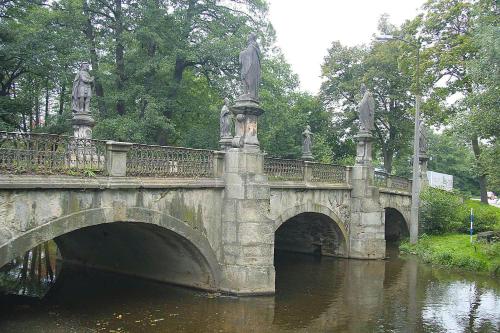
(456, 251)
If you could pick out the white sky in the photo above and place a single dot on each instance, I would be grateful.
(306, 29)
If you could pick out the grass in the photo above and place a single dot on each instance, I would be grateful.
(456, 251)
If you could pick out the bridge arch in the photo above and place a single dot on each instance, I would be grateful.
(396, 223)
(323, 228)
(159, 228)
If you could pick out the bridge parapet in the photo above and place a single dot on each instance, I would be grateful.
(384, 180)
(279, 169)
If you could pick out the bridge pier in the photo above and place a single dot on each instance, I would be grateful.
(247, 232)
(367, 234)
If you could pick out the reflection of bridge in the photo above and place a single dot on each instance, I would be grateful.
(201, 218)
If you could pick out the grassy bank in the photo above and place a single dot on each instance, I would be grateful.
(456, 251)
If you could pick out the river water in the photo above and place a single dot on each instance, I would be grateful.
(312, 295)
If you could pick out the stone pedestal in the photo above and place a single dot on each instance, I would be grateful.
(225, 143)
(364, 148)
(307, 157)
(246, 112)
(82, 125)
(423, 158)
(367, 234)
(116, 158)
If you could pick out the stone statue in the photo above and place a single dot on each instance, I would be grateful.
(225, 120)
(366, 111)
(422, 139)
(250, 69)
(307, 143)
(82, 90)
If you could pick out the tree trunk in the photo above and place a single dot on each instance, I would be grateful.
(46, 102)
(90, 35)
(388, 157)
(62, 96)
(119, 60)
(482, 177)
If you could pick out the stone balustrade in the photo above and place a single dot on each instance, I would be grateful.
(384, 180)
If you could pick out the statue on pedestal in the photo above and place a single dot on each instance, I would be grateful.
(225, 126)
(250, 69)
(366, 111)
(82, 90)
(225, 120)
(307, 143)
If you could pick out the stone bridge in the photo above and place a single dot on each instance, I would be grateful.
(199, 218)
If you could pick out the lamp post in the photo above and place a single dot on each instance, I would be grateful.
(415, 189)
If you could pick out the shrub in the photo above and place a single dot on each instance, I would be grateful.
(486, 217)
(439, 211)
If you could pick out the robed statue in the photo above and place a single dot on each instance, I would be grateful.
(82, 90)
(250, 68)
(225, 120)
(366, 111)
(307, 143)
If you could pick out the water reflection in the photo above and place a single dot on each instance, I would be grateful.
(313, 295)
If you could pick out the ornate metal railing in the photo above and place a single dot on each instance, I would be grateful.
(380, 179)
(384, 180)
(283, 169)
(329, 173)
(50, 154)
(165, 161)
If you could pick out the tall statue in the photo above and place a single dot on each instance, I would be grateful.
(366, 111)
(82, 90)
(307, 143)
(225, 120)
(250, 68)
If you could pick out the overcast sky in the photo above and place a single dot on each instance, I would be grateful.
(306, 29)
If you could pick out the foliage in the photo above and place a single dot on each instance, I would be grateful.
(439, 211)
(486, 217)
(456, 251)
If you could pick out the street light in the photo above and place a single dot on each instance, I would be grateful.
(415, 189)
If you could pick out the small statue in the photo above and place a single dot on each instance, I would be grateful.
(422, 139)
(225, 120)
(366, 111)
(307, 143)
(250, 68)
(82, 90)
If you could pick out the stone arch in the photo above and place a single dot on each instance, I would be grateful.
(396, 223)
(84, 219)
(323, 213)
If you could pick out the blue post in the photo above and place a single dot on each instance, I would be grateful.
(471, 223)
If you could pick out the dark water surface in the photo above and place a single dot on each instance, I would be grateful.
(312, 295)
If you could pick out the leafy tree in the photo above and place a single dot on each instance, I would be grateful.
(345, 69)
(453, 32)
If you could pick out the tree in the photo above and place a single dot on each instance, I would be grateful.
(345, 69)
(450, 30)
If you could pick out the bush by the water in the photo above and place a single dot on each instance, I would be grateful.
(442, 212)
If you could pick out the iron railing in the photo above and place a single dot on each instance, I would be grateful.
(33, 153)
(330, 173)
(283, 169)
(165, 161)
(384, 180)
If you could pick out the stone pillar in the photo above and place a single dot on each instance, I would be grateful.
(367, 231)
(247, 232)
(116, 158)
